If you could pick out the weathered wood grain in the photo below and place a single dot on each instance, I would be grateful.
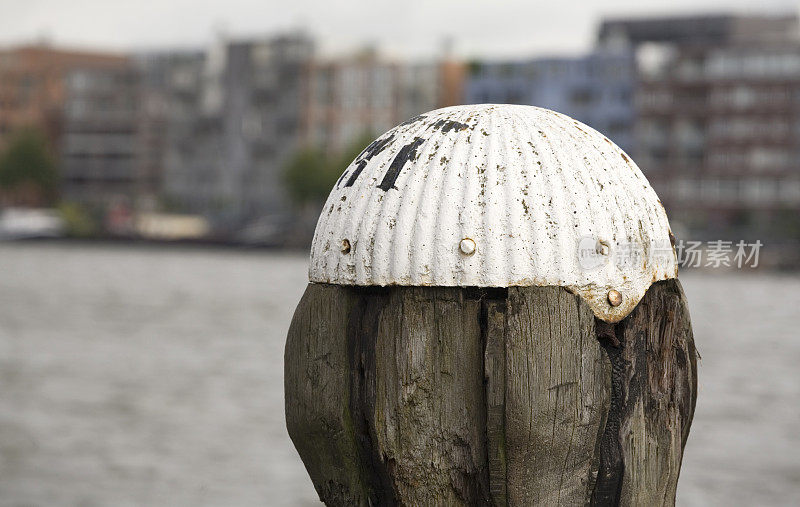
(430, 403)
(453, 396)
(557, 393)
(661, 370)
(317, 379)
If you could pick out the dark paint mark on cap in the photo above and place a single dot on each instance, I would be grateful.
(447, 125)
(370, 151)
(413, 120)
(406, 153)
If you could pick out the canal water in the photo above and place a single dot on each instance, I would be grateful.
(153, 376)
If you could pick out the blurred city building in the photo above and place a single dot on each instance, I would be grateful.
(236, 116)
(718, 121)
(365, 95)
(99, 146)
(85, 104)
(33, 85)
(712, 29)
(349, 98)
(596, 88)
(428, 85)
(422, 88)
(169, 106)
(452, 81)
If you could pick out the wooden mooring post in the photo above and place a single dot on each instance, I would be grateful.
(493, 318)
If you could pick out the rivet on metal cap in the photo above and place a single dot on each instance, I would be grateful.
(614, 297)
(467, 246)
(345, 246)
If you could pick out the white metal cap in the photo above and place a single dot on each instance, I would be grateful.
(496, 196)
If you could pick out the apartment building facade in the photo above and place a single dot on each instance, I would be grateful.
(365, 94)
(596, 88)
(99, 145)
(170, 96)
(349, 98)
(719, 134)
(718, 120)
(33, 85)
(240, 123)
(86, 105)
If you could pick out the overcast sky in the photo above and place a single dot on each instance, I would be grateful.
(409, 28)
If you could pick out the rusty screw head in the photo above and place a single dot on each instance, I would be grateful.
(467, 246)
(601, 247)
(614, 297)
(345, 246)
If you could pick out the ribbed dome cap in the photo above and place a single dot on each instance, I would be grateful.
(496, 196)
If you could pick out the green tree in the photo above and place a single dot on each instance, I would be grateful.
(310, 174)
(308, 177)
(474, 67)
(78, 220)
(350, 153)
(27, 170)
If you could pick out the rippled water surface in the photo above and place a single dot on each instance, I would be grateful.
(153, 376)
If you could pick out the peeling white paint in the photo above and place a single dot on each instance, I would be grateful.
(527, 186)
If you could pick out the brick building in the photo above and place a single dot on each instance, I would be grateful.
(365, 94)
(33, 87)
(349, 98)
(86, 104)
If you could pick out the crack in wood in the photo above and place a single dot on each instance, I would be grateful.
(608, 487)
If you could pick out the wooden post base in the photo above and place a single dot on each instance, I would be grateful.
(467, 396)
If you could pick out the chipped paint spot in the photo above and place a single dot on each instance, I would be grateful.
(414, 119)
(447, 125)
